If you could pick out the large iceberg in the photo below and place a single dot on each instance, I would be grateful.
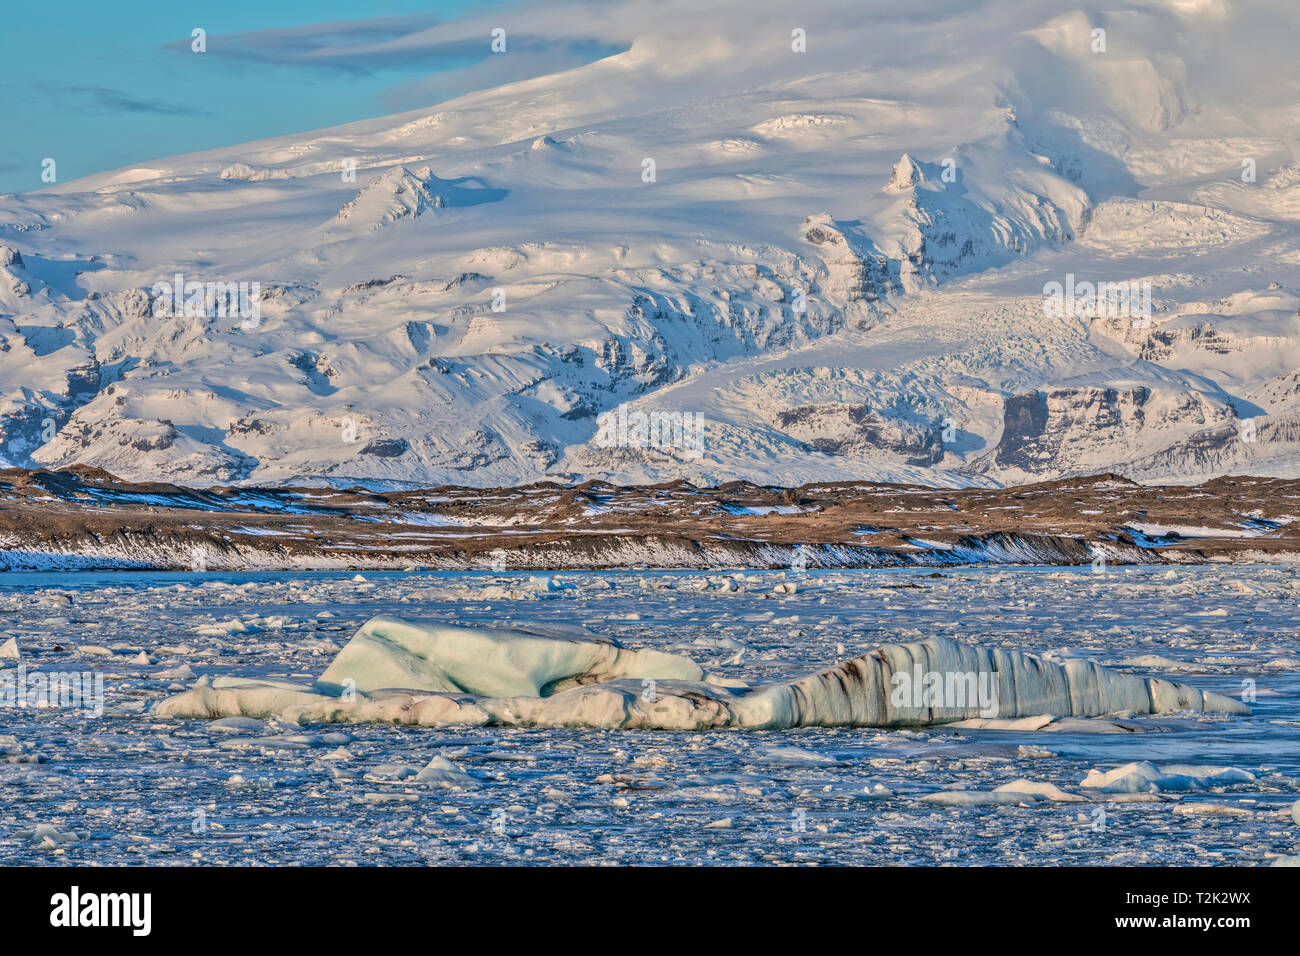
(427, 673)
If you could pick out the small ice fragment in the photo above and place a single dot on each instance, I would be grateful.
(391, 773)
(48, 835)
(1037, 722)
(1034, 752)
(237, 725)
(1211, 809)
(441, 772)
(9, 650)
(978, 798)
(1039, 788)
(795, 755)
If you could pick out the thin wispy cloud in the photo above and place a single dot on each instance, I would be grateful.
(352, 45)
(537, 45)
(98, 99)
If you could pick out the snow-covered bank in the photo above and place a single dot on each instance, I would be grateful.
(395, 671)
(648, 552)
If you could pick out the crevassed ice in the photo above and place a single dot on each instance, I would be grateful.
(424, 673)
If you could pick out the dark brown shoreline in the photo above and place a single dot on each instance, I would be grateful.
(86, 518)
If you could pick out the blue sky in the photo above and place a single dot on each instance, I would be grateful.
(100, 85)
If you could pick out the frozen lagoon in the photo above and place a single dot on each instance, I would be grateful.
(132, 787)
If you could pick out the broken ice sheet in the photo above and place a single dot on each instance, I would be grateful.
(134, 782)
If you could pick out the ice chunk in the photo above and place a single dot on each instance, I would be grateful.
(429, 673)
(441, 772)
(795, 756)
(941, 681)
(49, 836)
(238, 725)
(1211, 810)
(391, 773)
(1046, 791)
(979, 798)
(1211, 776)
(1130, 778)
(1145, 777)
(492, 662)
(9, 650)
(1034, 753)
(1036, 722)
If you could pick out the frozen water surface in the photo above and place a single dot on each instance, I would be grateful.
(129, 787)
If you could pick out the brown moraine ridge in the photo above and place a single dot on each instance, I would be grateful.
(85, 517)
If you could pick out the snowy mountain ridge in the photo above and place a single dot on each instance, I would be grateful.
(838, 257)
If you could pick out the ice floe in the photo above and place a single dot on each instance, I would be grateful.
(425, 673)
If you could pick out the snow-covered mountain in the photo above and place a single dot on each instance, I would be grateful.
(830, 233)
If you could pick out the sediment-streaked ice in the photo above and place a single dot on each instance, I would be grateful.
(408, 672)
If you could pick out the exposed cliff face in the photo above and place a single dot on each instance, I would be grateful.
(856, 431)
(853, 268)
(1065, 429)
